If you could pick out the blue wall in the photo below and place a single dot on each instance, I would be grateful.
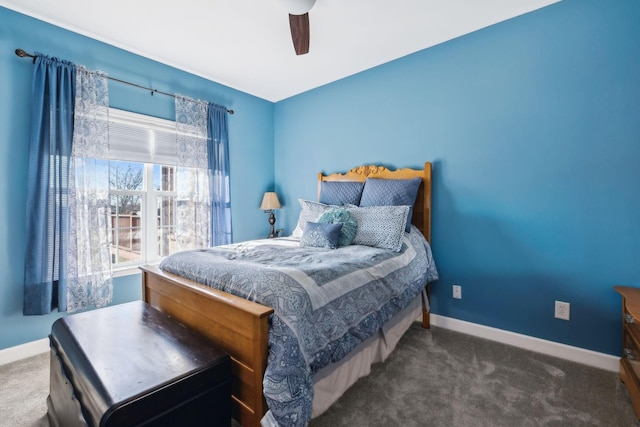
(533, 126)
(250, 134)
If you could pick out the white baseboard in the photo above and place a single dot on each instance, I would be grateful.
(23, 351)
(563, 351)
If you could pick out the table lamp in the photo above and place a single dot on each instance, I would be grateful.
(270, 202)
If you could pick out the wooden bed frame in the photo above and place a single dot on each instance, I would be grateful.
(240, 327)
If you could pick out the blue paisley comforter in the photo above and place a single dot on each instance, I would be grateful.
(325, 302)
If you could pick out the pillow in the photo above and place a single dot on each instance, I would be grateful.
(310, 212)
(321, 235)
(340, 192)
(380, 226)
(349, 224)
(391, 192)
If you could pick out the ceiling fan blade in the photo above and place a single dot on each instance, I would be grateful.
(300, 32)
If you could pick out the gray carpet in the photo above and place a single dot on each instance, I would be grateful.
(434, 378)
(24, 386)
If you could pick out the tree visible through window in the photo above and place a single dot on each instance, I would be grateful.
(142, 211)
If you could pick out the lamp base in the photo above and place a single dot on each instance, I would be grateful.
(272, 221)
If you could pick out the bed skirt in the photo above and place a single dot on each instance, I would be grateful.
(333, 380)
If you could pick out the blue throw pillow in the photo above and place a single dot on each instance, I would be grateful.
(341, 192)
(391, 192)
(348, 221)
(321, 235)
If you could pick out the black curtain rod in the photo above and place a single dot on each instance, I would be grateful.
(22, 54)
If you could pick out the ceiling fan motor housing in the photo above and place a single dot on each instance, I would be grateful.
(297, 7)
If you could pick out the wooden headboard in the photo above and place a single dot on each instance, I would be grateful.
(421, 209)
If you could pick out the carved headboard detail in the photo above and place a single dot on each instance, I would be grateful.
(421, 209)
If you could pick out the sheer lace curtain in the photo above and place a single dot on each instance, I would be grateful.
(89, 273)
(193, 202)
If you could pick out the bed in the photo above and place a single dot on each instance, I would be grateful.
(242, 327)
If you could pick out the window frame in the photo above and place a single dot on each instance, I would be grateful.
(149, 202)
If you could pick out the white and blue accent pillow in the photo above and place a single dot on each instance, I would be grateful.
(310, 212)
(380, 226)
(391, 192)
(321, 235)
(336, 215)
(341, 192)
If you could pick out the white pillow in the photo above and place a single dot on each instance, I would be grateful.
(310, 212)
(380, 226)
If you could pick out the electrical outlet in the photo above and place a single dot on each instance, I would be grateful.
(457, 291)
(563, 310)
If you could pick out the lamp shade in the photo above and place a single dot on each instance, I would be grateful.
(270, 201)
(297, 7)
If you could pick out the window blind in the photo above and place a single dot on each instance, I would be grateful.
(138, 138)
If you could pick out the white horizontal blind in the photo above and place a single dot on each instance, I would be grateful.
(139, 138)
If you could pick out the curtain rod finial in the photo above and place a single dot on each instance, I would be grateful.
(22, 54)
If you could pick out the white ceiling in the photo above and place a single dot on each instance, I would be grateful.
(246, 44)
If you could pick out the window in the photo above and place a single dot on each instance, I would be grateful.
(142, 187)
(142, 212)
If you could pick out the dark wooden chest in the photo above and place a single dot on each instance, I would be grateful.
(132, 365)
